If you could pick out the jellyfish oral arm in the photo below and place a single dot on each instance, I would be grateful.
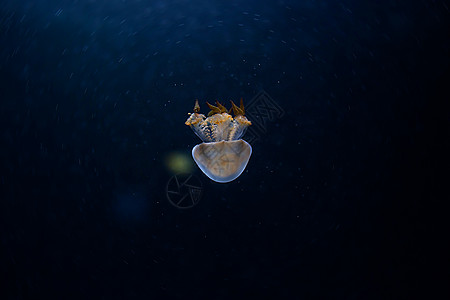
(196, 122)
(240, 124)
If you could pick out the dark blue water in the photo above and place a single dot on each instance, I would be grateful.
(335, 202)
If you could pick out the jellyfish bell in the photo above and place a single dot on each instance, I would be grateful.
(222, 161)
(222, 156)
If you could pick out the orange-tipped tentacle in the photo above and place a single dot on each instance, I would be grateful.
(214, 109)
(196, 106)
(242, 106)
(237, 111)
(222, 108)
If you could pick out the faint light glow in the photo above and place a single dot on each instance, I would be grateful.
(177, 162)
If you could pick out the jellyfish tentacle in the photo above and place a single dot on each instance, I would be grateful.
(214, 109)
(242, 106)
(236, 110)
(196, 106)
(222, 108)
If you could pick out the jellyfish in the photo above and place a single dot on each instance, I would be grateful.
(222, 156)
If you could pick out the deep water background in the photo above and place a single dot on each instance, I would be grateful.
(340, 200)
